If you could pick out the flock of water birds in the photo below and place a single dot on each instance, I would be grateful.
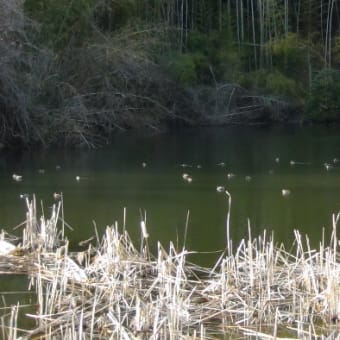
(220, 188)
(188, 178)
(284, 192)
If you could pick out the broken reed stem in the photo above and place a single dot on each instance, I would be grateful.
(112, 290)
(228, 241)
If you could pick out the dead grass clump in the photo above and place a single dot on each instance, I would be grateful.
(114, 290)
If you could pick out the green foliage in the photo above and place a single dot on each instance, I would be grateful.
(182, 68)
(66, 22)
(281, 85)
(61, 21)
(323, 103)
(273, 83)
(112, 14)
(216, 52)
(289, 55)
(230, 64)
(198, 42)
(336, 52)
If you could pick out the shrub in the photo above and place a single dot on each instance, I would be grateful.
(323, 103)
(61, 21)
(289, 56)
(273, 83)
(217, 53)
(182, 68)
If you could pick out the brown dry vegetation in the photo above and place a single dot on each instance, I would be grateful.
(80, 95)
(113, 290)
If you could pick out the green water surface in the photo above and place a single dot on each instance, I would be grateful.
(113, 177)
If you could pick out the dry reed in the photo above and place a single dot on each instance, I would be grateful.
(112, 290)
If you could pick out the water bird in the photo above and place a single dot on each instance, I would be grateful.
(220, 188)
(77, 178)
(285, 192)
(328, 166)
(184, 165)
(17, 178)
(335, 160)
(57, 196)
(23, 196)
(143, 229)
(248, 178)
(230, 175)
(221, 164)
(185, 176)
(292, 163)
(144, 165)
(277, 160)
(199, 166)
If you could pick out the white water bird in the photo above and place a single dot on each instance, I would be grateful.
(185, 176)
(17, 178)
(292, 163)
(328, 166)
(77, 178)
(144, 165)
(221, 164)
(184, 165)
(277, 160)
(230, 175)
(247, 178)
(57, 196)
(143, 229)
(220, 188)
(285, 192)
(335, 160)
(23, 196)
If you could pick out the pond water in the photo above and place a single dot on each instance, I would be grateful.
(113, 178)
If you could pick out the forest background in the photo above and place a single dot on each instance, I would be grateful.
(73, 72)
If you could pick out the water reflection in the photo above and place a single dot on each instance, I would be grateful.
(14, 288)
(145, 174)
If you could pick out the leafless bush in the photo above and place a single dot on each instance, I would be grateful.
(105, 88)
(230, 103)
(82, 95)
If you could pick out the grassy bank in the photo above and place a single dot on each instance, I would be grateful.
(113, 289)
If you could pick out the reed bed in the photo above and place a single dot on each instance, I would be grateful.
(115, 291)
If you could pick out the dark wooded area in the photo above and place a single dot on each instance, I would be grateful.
(74, 72)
